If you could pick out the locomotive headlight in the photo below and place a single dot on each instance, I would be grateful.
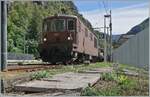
(69, 38)
(44, 39)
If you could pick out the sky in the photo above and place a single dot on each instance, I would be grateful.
(125, 13)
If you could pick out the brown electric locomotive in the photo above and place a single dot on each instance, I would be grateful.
(65, 38)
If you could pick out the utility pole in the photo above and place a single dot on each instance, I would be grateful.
(110, 25)
(105, 38)
(0, 36)
(105, 47)
(108, 44)
(3, 35)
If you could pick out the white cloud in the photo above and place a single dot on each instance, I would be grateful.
(123, 19)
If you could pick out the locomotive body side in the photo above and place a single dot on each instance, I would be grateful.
(86, 42)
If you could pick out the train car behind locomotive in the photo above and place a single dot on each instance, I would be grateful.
(64, 38)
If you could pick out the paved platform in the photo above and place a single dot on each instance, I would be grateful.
(60, 82)
(98, 70)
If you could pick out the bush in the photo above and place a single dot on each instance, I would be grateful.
(123, 80)
(125, 83)
(40, 74)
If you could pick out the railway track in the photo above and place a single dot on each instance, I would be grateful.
(32, 67)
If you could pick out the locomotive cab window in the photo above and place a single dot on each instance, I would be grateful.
(54, 25)
(71, 25)
(59, 25)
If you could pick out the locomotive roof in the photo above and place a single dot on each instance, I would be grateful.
(62, 15)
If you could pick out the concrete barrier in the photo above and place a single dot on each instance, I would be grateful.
(19, 56)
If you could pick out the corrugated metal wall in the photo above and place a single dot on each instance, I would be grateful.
(135, 51)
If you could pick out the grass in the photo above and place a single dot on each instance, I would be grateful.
(109, 76)
(70, 68)
(112, 84)
(124, 66)
(40, 74)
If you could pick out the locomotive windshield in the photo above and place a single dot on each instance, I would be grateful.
(55, 25)
(59, 25)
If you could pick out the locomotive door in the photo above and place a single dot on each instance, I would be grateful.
(76, 37)
(71, 24)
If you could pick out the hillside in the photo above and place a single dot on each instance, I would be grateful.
(25, 22)
(138, 28)
(115, 37)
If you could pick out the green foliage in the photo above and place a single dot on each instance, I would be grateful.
(25, 22)
(114, 91)
(40, 74)
(109, 76)
(89, 91)
(103, 64)
(123, 80)
(117, 85)
(120, 86)
(19, 15)
(124, 83)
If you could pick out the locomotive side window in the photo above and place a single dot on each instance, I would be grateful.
(86, 32)
(95, 42)
(91, 36)
(79, 27)
(71, 25)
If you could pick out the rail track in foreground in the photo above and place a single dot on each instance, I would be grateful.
(32, 67)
